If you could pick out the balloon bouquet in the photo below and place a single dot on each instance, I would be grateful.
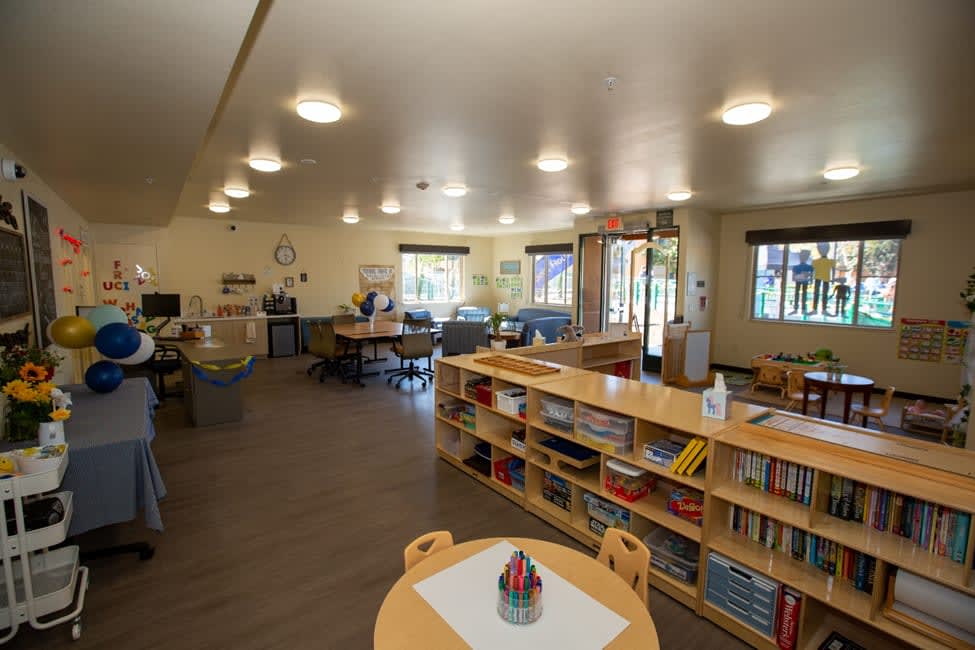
(371, 303)
(108, 329)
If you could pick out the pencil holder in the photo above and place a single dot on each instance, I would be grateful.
(519, 590)
(518, 614)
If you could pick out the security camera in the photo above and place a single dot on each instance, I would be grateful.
(12, 170)
(233, 227)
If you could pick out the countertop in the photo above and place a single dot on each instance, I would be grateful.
(193, 319)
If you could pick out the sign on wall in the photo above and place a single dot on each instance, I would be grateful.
(921, 339)
(123, 272)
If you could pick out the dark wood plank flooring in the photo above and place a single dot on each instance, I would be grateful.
(286, 530)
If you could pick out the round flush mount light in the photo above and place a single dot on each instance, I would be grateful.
(454, 191)
(350, 218)
(552, 164)
(456, 227)
(580, 208)
(236, 192)
(680, 195)
(219, 207)
(506, 219)
(841, 173)
(318, 111)
(264, 164)
(746, 114)
(390, 208)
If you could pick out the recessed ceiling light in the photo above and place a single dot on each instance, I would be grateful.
(264, 164)
(317, 111)
(681, 195)
(219, 207)
(580, 208)
(454, 191)
(350, 218)
(237, 192)
(746, 114)
(457, 226)
(390, 208)
(841, 173)
(506, 219)
(552, 164)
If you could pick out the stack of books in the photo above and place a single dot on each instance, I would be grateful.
(774, 475)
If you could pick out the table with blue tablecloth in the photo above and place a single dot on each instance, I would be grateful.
(111, 471)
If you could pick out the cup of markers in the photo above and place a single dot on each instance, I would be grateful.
(519, 590)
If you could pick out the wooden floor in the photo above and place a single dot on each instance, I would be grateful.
(287, 530)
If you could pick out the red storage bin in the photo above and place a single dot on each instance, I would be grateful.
(484, 394)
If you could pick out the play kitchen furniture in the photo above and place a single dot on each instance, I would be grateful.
(38, 582)
(823, 382)
(409, 617)
(771, 373)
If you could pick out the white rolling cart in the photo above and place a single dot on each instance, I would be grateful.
(54, 576)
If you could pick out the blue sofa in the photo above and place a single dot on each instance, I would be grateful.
(546, 321)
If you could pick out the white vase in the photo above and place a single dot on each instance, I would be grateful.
(50, 433)
(501, 345)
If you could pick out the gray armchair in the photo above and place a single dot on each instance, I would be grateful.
(462, 336)
(479, 314)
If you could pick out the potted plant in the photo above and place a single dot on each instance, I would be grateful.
(34, 403)
(495, 320)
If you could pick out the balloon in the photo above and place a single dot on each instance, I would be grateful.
(357, 299)
(367, 308)
(146, 347)
(391, 306)
(381, 302)
(117, 340)
(103, 315)
(73, 332)
(372, 295)
(47, 331)
(103, 376)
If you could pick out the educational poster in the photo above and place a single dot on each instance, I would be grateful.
(941, 341)
(479, 280)
(123, 272)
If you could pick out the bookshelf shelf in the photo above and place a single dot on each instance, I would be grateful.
(771, 505)
(697, 481)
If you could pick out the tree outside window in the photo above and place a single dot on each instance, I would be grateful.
(432, 277)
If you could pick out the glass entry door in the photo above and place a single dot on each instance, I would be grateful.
(661, 290)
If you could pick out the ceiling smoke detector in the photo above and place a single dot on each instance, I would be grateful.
(611, 83)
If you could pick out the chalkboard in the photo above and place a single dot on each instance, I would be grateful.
(42, 266)
(14, 281)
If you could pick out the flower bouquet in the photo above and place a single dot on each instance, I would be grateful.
(32, 398)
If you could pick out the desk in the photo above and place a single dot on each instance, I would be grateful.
(359, 332)
(204, 402)
(112, 471)
(824, 382)
(406, 621)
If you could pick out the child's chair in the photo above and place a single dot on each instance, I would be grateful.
(878, 413)
(426, 545)
(629, 558)
(794, 385)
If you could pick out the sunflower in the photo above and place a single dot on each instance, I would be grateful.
(59, 414)
(15, 386)
(30, 371)
(44, 389)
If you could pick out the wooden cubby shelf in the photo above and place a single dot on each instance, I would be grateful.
(829, 602)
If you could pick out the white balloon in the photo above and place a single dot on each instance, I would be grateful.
(146, 347)
(47, 331)
(381, 302)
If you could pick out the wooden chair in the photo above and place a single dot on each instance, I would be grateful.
(629, 558)
(424, 546)
(795, 381)
(878, 412)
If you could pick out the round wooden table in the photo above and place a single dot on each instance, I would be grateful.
(823, 382)
(406, 621)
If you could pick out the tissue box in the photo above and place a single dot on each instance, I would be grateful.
(715, 403)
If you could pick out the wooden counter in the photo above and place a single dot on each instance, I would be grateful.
(598, 352)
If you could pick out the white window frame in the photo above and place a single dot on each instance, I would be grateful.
(570, 284)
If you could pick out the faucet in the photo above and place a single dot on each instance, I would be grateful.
(190, 306)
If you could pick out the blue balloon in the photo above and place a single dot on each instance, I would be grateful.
(117, 340)
(372, 295)
(103, 376)
(368, 308)
(391, 306)
(103, 315)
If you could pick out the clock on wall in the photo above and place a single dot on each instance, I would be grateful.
(284, 254)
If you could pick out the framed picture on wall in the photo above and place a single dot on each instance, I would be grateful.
(511, 267)
(289, 281)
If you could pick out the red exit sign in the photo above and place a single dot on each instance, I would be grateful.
(614, 223)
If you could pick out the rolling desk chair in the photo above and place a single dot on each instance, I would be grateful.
(323, 345)
(415, 344)
(165, 361)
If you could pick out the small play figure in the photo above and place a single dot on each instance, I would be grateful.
(841, 293)
(801, 274)
(823, 274)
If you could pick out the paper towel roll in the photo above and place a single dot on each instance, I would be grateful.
(251, 332)
(953, 607)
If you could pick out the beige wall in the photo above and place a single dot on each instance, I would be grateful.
(60, 215)
(935, 261)
(194, 253)
(512, 247)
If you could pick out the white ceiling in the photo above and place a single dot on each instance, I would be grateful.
(475, 92)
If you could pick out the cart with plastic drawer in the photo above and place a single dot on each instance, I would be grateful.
(36, 582)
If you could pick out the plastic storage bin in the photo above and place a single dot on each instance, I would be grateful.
(663, 452)
(626, 481)
(603, 514)
(558, 408)
(511, 471)
(674, 554)
(605, 431)
(744, 594)
(512, 401)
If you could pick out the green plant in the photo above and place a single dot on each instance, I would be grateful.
(346, 309)
(495, 320)
(968, 295)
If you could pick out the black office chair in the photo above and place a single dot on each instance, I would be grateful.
(165, 361)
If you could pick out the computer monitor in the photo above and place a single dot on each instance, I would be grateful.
(164, 305)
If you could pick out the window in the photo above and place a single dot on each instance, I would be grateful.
(432, 277)
(552, 278)
(850, 282)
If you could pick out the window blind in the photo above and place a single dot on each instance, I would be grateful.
(434, 249)
(545, 249)
(836, 232)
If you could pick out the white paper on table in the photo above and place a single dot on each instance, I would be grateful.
(466, 597)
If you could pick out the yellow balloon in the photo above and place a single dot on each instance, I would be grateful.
(358, 299)
(73, 332)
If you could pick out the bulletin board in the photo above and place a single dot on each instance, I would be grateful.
(381, 279)
(938, 341)
(14, 280)
(42, 267)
